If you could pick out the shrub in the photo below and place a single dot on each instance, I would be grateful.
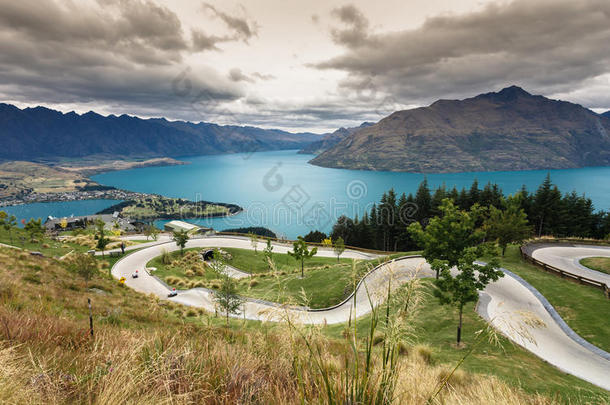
(459, 377)
(7, 292)
(424, 353)
(189, 273)
(403, 349)
(165, 257)
(32, 278)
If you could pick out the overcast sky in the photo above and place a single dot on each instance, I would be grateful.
(310, 65)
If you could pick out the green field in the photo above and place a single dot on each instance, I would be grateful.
(19, 238)
(326, 282)
(597, 263)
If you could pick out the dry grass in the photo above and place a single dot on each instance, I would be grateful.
(89, 241)
(143, 354)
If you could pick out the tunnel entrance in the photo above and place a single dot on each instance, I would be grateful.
(207, 254)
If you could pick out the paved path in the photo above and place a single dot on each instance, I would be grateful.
(509, 304)
(568, 257)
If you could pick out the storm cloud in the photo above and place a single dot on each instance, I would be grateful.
(119, 53)
(547, 46)
(311, 66)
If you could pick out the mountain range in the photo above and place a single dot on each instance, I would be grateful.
(506, 130)
(331, 139)
(42, 133)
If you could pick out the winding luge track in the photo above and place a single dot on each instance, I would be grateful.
(507, 304)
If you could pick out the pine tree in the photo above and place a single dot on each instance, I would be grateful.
(423, 201)
(547, 208)
(474, 194)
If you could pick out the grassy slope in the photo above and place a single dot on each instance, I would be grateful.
(436, 327)
(597, 263)
(47, 246)
(20, 176)
(253, 262)
(585, 309)
(150, 351)
(321, 285)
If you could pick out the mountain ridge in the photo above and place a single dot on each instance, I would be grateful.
(42, 133)
(331, 139)
(506, 130)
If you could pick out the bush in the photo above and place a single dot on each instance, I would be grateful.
(459, 377)
(189, 273)
(424, 353)
(165, 257)
(403, 349)
(7, 292)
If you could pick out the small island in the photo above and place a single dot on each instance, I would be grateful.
(152, 207)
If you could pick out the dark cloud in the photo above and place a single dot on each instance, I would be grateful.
(547, 46)
(355, 34)
(241, 27)
(122, 55)
(237, 75)
(263, 76)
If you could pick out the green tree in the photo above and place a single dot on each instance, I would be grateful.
(84, 265)
(253, 241)
(315, 237)
(34, 228)
(339, 247)
(218, 264)
(508, 225)
(463, 285)
(100, 226)
(102, 242)
(446, 237)
(181, 238)
(8, 222)
(547, 208)
(423, 202)
(152, 232)
(226, 297)
(268, 253)
(300, 252)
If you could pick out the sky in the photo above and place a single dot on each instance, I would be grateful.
(297, 65)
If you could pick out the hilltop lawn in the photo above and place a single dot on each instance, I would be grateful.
(597, 263)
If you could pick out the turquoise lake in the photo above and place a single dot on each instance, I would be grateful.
(281, 191)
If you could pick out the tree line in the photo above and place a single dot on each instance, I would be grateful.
(547, 212)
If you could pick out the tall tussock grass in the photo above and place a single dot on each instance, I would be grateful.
(152, 356)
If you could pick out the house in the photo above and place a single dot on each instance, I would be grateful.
(179, 226)
(111, 221)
